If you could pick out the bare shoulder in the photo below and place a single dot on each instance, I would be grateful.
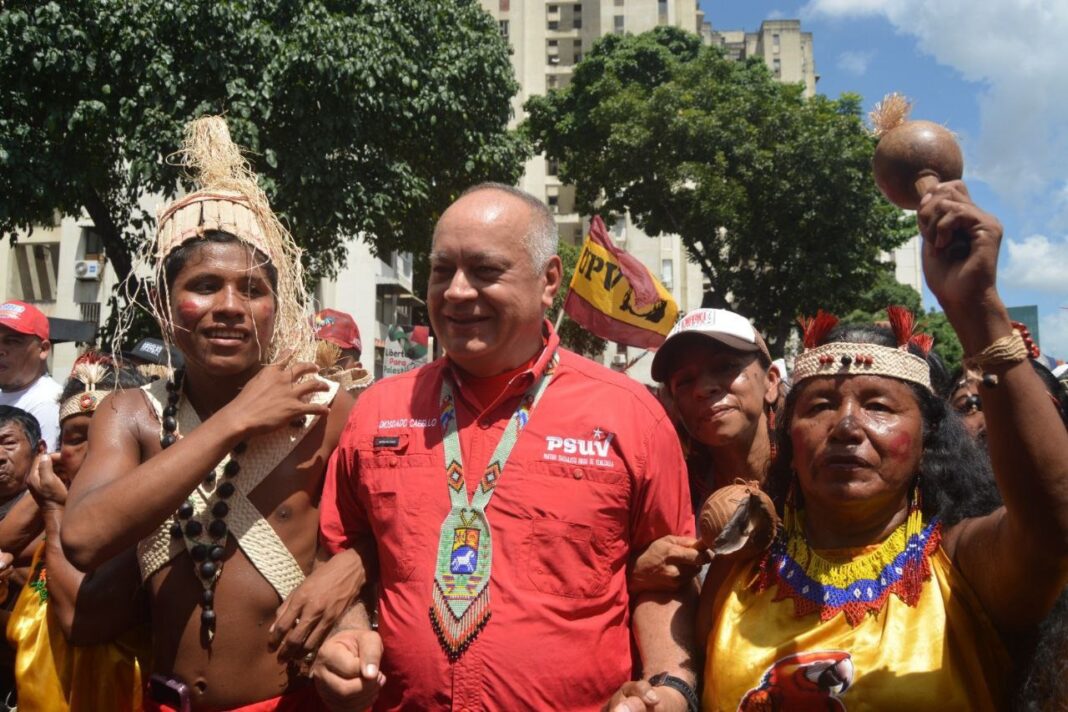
(124, 432)
(340, 408)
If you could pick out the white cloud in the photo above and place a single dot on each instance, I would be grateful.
(1016, 50)
(855, 63)
(776, 15)
(1053, 333)
(1036, 263)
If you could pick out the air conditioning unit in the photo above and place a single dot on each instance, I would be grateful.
(87, 270)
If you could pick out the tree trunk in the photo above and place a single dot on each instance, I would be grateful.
(117, 252)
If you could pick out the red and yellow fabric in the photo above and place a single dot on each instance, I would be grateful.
(51, 674)
(613, 294)
(941, 654)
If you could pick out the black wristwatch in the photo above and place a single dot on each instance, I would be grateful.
(676, 683)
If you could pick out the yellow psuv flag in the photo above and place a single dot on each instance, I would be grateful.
(614, 295)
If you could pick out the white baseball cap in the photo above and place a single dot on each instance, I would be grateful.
(732, 330)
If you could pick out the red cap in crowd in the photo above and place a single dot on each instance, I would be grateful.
(24, 318)
(337, 328)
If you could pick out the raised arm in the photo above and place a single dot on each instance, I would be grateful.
(120, 495)
(107, 599)
(21, 526)
(1016, 559)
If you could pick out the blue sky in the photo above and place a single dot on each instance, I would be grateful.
(991, 70)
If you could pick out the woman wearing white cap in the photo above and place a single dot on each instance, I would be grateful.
(720, 386)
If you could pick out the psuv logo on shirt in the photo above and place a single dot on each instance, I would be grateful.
(595, 449)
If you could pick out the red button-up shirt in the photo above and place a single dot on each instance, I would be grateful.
(596, 475)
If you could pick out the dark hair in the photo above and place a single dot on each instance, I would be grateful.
(26, 422)
(954, 474)
(1055, 388)
(123, 378)
(177, 259)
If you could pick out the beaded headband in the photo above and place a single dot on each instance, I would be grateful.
(849, 359)
(91, 373)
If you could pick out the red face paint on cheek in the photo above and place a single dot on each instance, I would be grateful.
(189, 310)
(901, 446)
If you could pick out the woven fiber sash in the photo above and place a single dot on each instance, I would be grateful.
(461, 605)
(254, 535)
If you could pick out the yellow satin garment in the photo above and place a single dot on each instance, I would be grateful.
(53, 675)
(944, 654)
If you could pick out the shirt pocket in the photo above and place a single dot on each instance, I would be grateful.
(392, 478)
(566, 559)
(578, 516)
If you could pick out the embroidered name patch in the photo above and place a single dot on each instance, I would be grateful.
(386, 441)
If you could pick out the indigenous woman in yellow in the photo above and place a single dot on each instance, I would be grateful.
(50, 672)
(896, 582)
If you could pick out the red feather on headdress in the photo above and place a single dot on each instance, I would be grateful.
(92, 356)
(925, 342)
(902, 323)
(814, 329)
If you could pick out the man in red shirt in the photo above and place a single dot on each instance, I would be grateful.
(507, 488)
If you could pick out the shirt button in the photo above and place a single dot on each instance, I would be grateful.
(393, 462)
(577, 473)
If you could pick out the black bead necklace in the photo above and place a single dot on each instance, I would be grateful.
(207, 552)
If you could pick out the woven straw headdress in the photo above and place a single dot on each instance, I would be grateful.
(91, 369)
(228, 200)
(848, 359)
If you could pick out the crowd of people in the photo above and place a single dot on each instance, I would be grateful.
(264, 528)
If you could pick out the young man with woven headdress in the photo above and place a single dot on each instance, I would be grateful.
(224, 516)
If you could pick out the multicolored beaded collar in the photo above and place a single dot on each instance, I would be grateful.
(859, 586)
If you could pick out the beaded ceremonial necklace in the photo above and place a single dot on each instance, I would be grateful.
(859, 586)
(207, 545)
(461, 602)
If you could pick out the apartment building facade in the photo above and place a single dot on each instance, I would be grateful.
(549, 37)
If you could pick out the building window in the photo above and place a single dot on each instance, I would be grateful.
(776, 67)
(554, 43)
(94, 244)
(503, 5)
(617, 24)
(662, 9)
(550, 81)
(619, 3)
(667, 273)
(554, 204)
(578, 57)
(576, 21)
(35, 268)
(503, 24)
(552, 167)
(552, 25)
(553, 59)
(775, 42)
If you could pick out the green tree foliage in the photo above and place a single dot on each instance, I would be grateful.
(771, 193)
(871, 308)
(363, 117)
(572, 335)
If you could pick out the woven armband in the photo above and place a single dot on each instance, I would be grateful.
(1005, 351)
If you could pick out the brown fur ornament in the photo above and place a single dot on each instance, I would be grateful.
(737, 518)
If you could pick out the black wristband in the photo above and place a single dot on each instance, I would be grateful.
(677, 683)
